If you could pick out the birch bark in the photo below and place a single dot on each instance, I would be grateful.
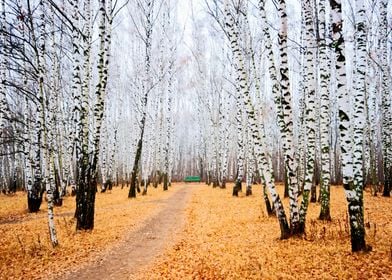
(353, 194)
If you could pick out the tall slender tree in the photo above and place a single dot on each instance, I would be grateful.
(88, 163)
(353, 192)
(258, 135)
(324, 115)
(287, 111)
(310, 109)
(386, 99)
(147, 8)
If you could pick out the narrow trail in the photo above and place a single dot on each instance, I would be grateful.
(139, 247)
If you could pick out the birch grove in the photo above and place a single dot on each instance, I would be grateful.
(270, 95)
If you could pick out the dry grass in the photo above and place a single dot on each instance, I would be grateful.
(232, 238)
(26, 252)
(225, 238)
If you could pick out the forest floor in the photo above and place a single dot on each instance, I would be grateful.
(26, 253)
(191, 232)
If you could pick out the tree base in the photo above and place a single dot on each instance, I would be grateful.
(58, 202)
(359, 245)
(108, 185)
(325, 216)
(165, 182)
(132, 193)
(313, 194)
(85, 204)
(386, 193)
(132, 189)
(235, 191)
(237, 188)
(298, 229)
(270, 211)
(34, 204)
(223, 186)
(284, 231)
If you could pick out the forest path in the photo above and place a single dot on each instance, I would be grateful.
(140, 246)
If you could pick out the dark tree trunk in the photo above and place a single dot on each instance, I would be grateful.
(57, 200)
(34, 203)
(387, 182)
(138, 185)
(237, 187)
(355, 212)
(148, 182)
(313, 189)
(34, 198)
(160, 177)
(122, 183)
(249, 190)
(201, 170)
(85, 197)
(223, 186)
(216, 180)
(14, 183)
(208, 181)
(144, 186)
(325, 214)
(319, 195)
(134, 185)
(313, 193)
(165, 182)
(108, 185)
(73, 190)
(270, 211)
(155, 179)
(286, 184)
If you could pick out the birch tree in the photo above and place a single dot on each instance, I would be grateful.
(147, 8)
(44, 125)
(353, 191)
(324, 115)
(386, 99)
(286, 107)
(3, 62)
(310, 118)
(88, 162)
(258, 138)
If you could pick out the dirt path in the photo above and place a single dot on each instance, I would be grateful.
(141, 246)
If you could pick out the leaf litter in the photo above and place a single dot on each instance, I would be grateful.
(233, 238)
(26, 252)
(224, 238)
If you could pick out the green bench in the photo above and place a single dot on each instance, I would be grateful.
(190, 179)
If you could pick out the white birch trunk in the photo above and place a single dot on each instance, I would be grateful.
(46, 127)
(325, 118)
(258, 136)
(386, 99)
(354, 198)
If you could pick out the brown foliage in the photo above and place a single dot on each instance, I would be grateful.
(225, 238)
(232, 238)
(26, 252)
